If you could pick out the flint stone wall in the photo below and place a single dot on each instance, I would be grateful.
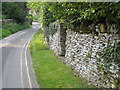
(56, 37)
(81, 56)
(80, 53)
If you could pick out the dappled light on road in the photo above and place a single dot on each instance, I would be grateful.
(36, 25)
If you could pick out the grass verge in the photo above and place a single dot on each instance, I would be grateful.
(49, 71)
(10, 28)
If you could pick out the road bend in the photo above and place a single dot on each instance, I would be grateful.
(17, 71)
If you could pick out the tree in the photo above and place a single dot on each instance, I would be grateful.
(14, 10)
(78, 13)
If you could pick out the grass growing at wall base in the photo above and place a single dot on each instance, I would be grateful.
(49, 71)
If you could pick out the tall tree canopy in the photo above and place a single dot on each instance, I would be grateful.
(77, 12)
(14, 10)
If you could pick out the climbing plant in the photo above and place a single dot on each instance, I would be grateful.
(109, 59)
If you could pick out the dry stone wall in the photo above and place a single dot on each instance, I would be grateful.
(56, 37)
(81, 56)
(80, 52)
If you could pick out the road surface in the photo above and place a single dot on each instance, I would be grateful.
(17, 71)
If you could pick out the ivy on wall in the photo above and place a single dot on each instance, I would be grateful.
(109, 61)
(52, 29)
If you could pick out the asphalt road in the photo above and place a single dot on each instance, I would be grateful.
(16, 67)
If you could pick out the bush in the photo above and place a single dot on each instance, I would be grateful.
(77, 13)
(4, 33)
(16, 11)
(10, 28)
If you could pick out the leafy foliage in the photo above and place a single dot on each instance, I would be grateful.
(14, 10)
(78, 12)
(9, 28)
(107, 57)
(111, 52)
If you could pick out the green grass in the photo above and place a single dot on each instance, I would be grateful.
(4, 33)
(10, 28)
(49, 71)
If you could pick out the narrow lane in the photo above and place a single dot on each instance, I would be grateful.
(17, 71)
